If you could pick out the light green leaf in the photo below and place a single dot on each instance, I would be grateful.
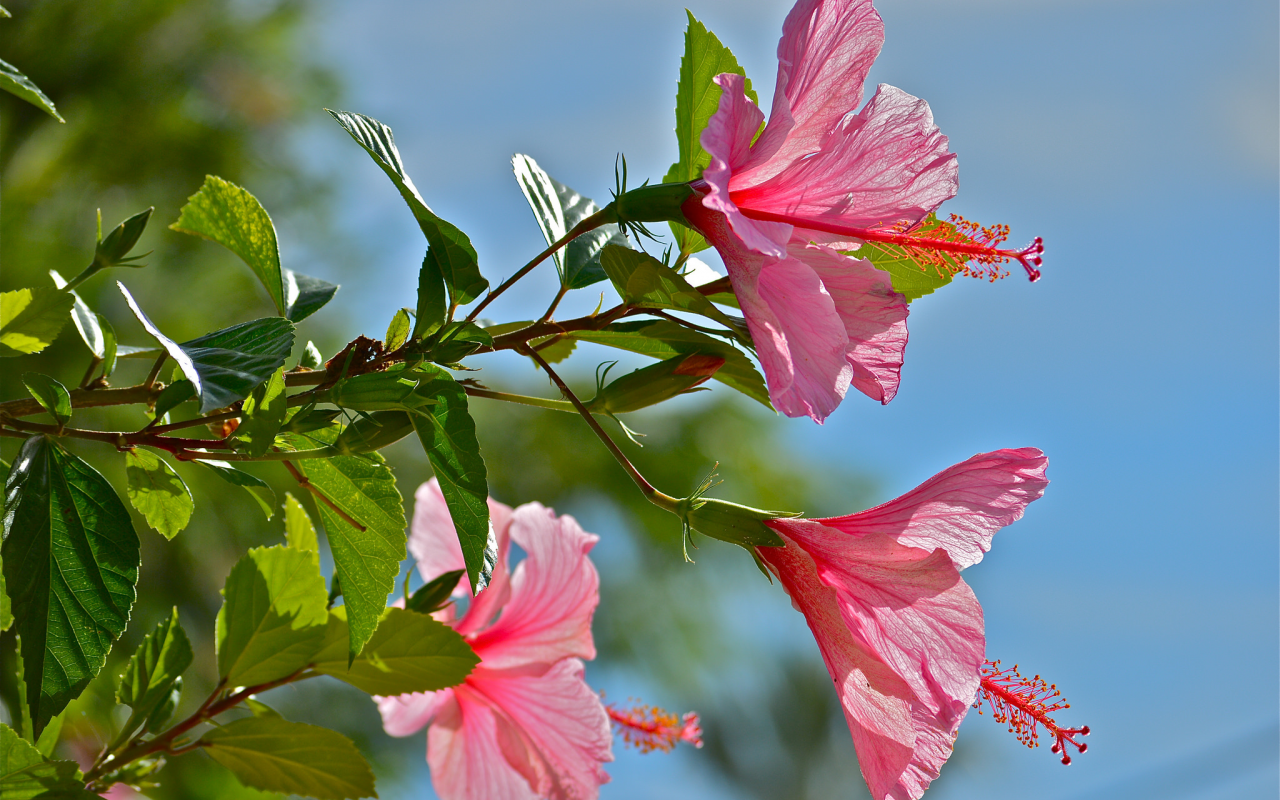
(299, 531)
(409, 652)
(557, 208)
(229, 215)
(15, 83)
(273, 616)
(85, 320)
(159, 493)
(48, 740)
(366, 561)
(662, 340)
(70, 562)
(305, 295)
(226, 365)
(157, 664)
(397, 331)
(263, 414)
(52, 396)
(645, 282)
(25, 774)
(280, 756)
(697, 98)
(255, 486)
(261, 709)
(449, 246)
(448, 434)
(30, 319)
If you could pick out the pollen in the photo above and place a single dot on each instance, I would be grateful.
(648, 728)
(1025, 705)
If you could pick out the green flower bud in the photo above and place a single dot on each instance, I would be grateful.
(660, 203)
(655, 383)
(730, 522)
(112, 251)
(374, 432)
(373, 391)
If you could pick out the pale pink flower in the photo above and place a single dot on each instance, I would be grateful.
(525, 724)
(901, 633)
(821, 321)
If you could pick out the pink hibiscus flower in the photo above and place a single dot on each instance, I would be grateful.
(821, 175)
(901, 633)
(525, 724)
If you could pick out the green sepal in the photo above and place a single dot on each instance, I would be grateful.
(731, 522)
(661, 202)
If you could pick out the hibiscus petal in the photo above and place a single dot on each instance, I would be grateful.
(554, 593)
(887, 165)
(874, 316)
(959, 509)
(935, 739)
(877, 703)
(909, 606)
(466, 759)
(552, 729)
(406, 714)
(825, 53)
(727, 138)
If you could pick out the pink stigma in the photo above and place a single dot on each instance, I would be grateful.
(649, 728)
(1025, 705)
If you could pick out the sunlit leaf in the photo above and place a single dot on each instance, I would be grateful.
(30, 319)
(263, 413)
(15, 83)
(159, 493)
(26, 774)
(409, 652)
(299, 531)
(52, 396)
(85, 320)
(157, 664)
(276, 755)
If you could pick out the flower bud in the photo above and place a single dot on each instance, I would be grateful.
(730, 522)
(112, 251)
(374, 432)
(373, 391)
(660, 203)
(655, 383)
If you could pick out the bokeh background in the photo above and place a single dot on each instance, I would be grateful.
(1138, 137)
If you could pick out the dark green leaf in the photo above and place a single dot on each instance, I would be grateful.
(433, 595)
(52, 396)
(273, 616)
(85, 320)
(305, 295)
(697, 98)
(449, 246)
(557, 208)
(457, 340)
(113, 251)
(310, 420)
(662, 339)
(262, 414)
(157, 664)
(367, 560)
(397, 331)
(25, 774)
(645, 282)
(299, 531)
(158, 492)
(30, 319)
(276, 755)
(432, 297)
(255, 486)
(311, 358)
(226, 365)
(448, 435)
(172, 396)
(229, 215)
(15, 83)
(409, 652)
(70, 562)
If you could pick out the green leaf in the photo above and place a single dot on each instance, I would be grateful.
(70, 562)
(111, 349)
(261, 709)
(432, 298)
(457, 340)
(409, 652)
(30, 319)
(273, 616)
(157, 664)
(662, 339)
(85, 320)
(25, 774)
(48, 740)
(554, 349)
(373, 432)
(434, 595)
(113, 251)
(307, 420)
(4, 12)
(255, 486)
(449, 246)
(557, 208)
(229, 215)
(158, 492)
(52, 396)
(305, 295)
(15, 83)
(226, 365)
(299, 531)
(311, 358)
(697, 98)
(262, 414)
(367, 560)
(281, 756)
(645, 282)
(398, 331)
(172, 396)
(910, 278)
(448, 434)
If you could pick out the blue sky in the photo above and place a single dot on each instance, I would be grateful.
(1139, 138)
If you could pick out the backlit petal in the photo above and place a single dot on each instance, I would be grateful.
(466, 759)
(406, 714)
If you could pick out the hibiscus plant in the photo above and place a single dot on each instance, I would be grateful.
(825, 218)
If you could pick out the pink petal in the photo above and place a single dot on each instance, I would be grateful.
(825, 53)
(550, 730)
(889, 164)
(554, 593)
(935, 739)
(406, 714)
(727, 138)
(909, 606)
(877, 703)
(467, 762)
(959, 509)
(874, 316)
